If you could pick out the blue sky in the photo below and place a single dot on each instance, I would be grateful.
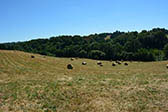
(22, 20)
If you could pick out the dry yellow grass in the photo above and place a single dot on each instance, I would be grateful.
(45, 84)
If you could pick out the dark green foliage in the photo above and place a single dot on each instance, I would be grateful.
(82, 54)
(158, 54)
(96, 54)
(144, 55)
(166, 50)
(132, 46)
(144, 46)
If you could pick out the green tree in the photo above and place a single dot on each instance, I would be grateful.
(83, 54)
(158, 54)
(166, 51)
(97, 54)
(144, 55)
(132, 46)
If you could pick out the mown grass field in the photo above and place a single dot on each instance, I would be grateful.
(44, 84)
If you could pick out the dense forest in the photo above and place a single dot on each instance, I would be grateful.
(134, 46)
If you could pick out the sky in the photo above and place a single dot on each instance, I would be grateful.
(23, 20)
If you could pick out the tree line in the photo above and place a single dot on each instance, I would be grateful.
(134, 46)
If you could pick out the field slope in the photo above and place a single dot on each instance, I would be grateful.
(44, 84)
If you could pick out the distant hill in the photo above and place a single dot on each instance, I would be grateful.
(139, 46)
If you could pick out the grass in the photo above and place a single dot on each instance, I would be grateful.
(44, 84)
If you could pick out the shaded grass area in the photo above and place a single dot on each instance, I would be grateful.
(45, 85)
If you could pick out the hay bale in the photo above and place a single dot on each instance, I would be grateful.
(118, 62)
(72, 59)
(69, 66)
(113, 64)
(32, 56)
(99, 63)
(84, 63)
(167, 66)
(126, 64)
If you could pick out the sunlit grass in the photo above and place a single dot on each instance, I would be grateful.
(45, 84)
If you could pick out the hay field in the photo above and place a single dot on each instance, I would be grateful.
(44, 84)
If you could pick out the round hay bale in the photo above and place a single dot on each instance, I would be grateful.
(84, 63)
(126, 64)
(69, 66)
(32, 56)
(72, 59)
(167, 66)
(113, 64)
(118, 62)
(99, 63)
